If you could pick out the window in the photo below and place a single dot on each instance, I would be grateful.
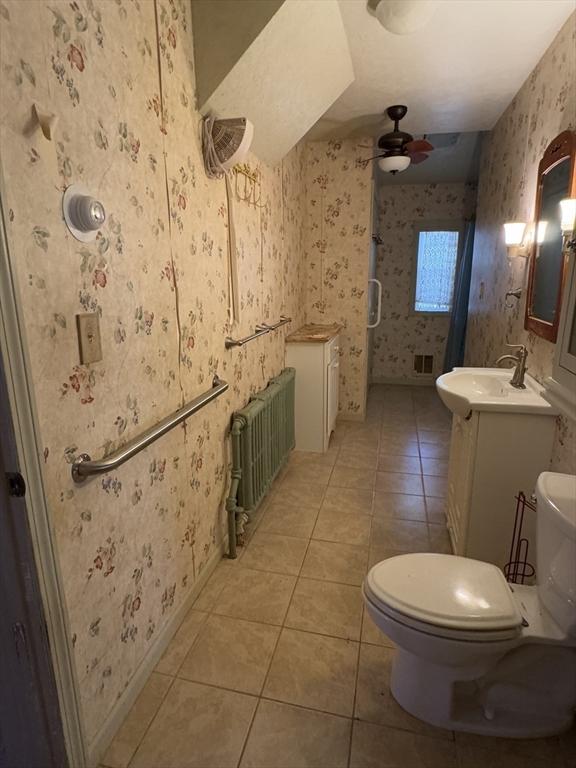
(436, 260)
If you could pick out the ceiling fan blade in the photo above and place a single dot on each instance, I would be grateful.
(373, 158)
(417, 157)
(418, 145)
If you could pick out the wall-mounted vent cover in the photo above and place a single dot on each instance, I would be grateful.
(423, 364)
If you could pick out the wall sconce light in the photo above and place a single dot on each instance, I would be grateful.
(514, 238)
(568, 221)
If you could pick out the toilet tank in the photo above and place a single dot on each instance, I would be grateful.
(556, 547)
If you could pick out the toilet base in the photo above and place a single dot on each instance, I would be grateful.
(491, 705)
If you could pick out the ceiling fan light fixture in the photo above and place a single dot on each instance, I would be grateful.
(404, 17)
(394, 163)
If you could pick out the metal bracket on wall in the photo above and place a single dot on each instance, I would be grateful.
(516, 294)
(260, 330)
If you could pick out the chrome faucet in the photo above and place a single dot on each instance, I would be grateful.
(519, 358)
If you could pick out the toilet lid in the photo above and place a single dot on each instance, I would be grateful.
(445, 590)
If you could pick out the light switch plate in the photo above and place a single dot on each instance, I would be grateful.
(89, 342)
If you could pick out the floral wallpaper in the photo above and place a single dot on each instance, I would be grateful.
(337, 244)
(119, 77)
(544, 106)
(402, 334)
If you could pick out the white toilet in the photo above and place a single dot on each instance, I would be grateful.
(475, 653)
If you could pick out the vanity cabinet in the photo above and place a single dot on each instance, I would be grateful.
(493, 456)
(315, 356)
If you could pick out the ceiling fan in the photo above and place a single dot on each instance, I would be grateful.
(400, 149)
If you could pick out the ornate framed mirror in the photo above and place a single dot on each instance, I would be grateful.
(548, 260)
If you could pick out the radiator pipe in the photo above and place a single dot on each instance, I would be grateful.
(231, 502)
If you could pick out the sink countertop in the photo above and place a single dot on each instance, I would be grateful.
(315, 333)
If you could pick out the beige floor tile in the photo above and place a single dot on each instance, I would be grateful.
(181, 643)
(439, 539)
(197, 727)
(348, 500)
(373, 634)
(313, 671)
(435, 436)
(326, 608)
(437, 467)
(352, 477)
(377, 554)
(308, 472)
(253, 597)
(399, 505)
(435, 486)
(434, 424)
(299, 494)
(231, 653)
(288, 521)
(397, 445)
(284, 736)
(434, 451)
(342, 563)
(407, 464)
(357, 459)
(547, 751)
(376, 746)
(356, 443)
(128, 737)
(215, 584)
(477, 757)
(400, 535)
(276, 553)
(374, 701)
(326, 459)
(398, 482)
(343, 527)
(436, 510)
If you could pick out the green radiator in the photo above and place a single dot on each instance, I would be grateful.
(262, 438)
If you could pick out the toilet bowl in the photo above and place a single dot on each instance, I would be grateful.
(474, 653)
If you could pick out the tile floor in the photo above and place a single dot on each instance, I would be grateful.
(277, 665)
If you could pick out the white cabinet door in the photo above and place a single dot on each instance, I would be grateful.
(333, 382)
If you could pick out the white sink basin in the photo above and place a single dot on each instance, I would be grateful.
(489, 389)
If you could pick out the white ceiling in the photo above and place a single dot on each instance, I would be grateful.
(457, 74)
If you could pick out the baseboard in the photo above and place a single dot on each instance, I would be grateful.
(101, 741)
(420, 381)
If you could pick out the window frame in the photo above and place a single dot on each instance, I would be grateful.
(442, 225)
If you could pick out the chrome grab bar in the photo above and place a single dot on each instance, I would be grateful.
(83, 466)
(283, 321)
(259, 331)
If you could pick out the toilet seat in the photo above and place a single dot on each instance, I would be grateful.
(446, 596)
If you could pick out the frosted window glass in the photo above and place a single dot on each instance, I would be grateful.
(436, 267)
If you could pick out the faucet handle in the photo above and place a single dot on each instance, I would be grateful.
(520, 347)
